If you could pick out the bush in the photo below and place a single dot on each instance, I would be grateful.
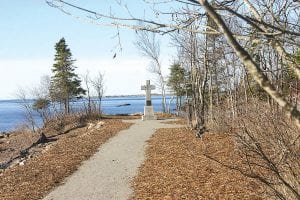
(268, 146)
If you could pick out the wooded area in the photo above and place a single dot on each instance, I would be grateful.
(238, 67)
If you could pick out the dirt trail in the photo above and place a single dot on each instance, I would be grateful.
(108, 173)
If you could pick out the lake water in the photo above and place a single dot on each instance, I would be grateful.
(13, 115)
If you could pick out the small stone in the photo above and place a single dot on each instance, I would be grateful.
(99, 124)
(90, 125)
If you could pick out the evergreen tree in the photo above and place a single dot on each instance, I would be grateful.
(65, 83)
(177, 79)
(177, 82)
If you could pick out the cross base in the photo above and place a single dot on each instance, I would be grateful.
(148, 113)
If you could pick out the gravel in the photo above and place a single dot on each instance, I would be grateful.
(108, 174)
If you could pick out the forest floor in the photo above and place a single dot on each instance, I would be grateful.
(176, 167)
(50, 163)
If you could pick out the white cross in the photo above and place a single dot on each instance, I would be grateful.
(148, 89)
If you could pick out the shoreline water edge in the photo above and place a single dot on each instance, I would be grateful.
(12, 115)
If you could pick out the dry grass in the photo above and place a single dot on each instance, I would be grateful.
(47, 170)
(176, 168)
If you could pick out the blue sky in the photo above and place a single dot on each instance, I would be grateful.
(29, 30)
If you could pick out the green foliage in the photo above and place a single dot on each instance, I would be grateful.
(177, 80)
(65, 83)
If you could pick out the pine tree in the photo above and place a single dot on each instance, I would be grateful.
(178, 83)
(65, 83)
(176, 79)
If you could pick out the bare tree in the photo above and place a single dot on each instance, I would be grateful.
(42, 98)
(267, 150)
(98, 85)
(251, 65)
(87, 80)
(150, 48)
(26, 104)
(260, 36)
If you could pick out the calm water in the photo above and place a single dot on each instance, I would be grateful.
(12, 114)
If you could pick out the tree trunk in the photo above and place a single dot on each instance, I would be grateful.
(189, 113)
(210, 97)
(67, 106)
(251, 66)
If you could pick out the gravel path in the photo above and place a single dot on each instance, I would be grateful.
(108, 173)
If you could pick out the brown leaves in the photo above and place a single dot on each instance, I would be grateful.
(176, 168)
(45, 171)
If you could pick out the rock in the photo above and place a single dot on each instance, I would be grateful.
(125, 104)
(90, 125)
(100, 124)
(22, 163)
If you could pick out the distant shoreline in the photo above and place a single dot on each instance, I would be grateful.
(12, 114)
(134, 95)
(108, 96)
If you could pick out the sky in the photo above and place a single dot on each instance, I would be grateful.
(29, 30)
